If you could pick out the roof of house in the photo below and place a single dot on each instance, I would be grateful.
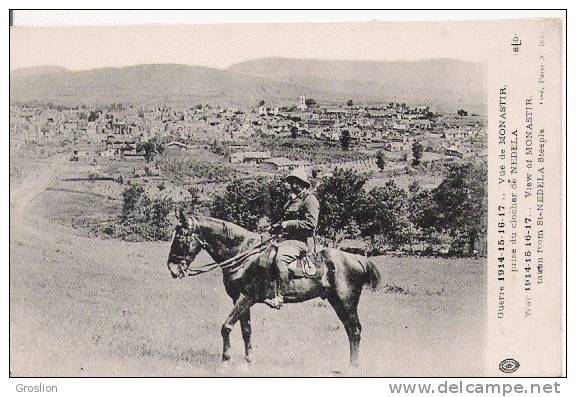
(254, 154)
(283, 161)
(176, 143)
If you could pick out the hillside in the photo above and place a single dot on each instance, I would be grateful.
(155, 84)
(439, 82)
(444, 84)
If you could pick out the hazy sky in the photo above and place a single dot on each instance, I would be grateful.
(222, 45)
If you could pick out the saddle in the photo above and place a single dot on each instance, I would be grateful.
(305, 266)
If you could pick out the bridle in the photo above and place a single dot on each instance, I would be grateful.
(184, 261)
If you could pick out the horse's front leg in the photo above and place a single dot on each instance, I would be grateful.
(246, 333)
(242, 304)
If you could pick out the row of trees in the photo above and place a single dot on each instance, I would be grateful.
(386, 216)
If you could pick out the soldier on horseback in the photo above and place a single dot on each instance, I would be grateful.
(297, 229)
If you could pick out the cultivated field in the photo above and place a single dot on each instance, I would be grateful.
(82, 306)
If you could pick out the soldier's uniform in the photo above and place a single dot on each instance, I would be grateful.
(300, 220)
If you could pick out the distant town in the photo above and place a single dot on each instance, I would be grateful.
(118, 131)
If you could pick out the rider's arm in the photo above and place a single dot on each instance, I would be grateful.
(310, 221)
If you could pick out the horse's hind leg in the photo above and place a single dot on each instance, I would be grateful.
(348, 314)
(242, 304)
(246, 333)
(355, 329)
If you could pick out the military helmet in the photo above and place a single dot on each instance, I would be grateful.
(300, 174)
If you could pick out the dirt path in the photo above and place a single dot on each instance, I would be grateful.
(22, 195)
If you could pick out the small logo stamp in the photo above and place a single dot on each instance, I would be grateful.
(516, 43)
(509, 365)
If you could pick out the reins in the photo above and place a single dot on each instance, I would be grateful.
(187, 271)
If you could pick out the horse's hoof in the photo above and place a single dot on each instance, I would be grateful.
(354, 370)
(225, 364)
(245, 368)
(249, 359)
(224, 368)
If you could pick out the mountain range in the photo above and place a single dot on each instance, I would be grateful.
(446, 85)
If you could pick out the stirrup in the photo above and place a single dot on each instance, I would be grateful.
(274, 303)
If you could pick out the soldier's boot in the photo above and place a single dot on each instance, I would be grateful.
(279, 287)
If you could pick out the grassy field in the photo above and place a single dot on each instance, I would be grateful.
(83, 306)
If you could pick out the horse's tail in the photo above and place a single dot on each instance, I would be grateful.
(372, 275)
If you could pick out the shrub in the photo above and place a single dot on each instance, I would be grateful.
(143, 218)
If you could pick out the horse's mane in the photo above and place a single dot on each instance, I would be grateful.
(230, 229)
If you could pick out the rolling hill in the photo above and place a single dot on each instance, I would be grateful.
(444, 84)
(154, 84)
(439, 82)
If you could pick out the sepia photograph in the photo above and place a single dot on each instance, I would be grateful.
(265, 200)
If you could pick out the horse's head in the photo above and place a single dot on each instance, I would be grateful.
(186, 245)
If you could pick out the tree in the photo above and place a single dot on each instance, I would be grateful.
(461, 202)
(383, 216)
(380, 160)
(345, 140)
(94, 114)
(310, 102)
(134, 199)
(339, 195)
(294, 132)
(220, 148)
(278, 193)
(158, 218)
(462, 112)
(417, 152)
(350, 102)
(150, 149)
(423, 213)
(243, 202)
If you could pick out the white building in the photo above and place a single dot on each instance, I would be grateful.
(302, 105)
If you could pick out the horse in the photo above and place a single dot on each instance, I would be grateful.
(223, 240)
